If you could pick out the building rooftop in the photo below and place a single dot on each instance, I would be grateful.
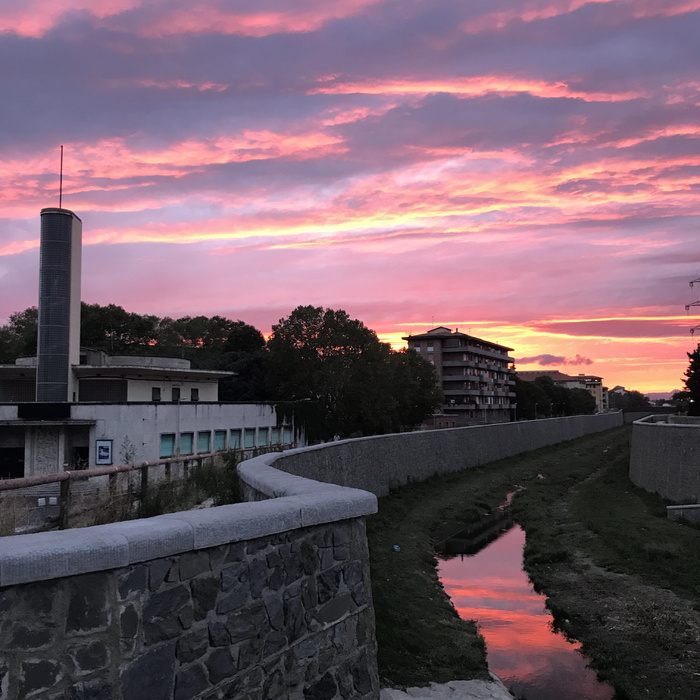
(443, 332)
(555, 375)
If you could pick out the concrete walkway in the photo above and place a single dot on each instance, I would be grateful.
(454, 690)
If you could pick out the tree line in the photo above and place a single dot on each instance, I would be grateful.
(543, 398)
(331, 371)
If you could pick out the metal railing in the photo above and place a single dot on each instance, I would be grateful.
(173, 468)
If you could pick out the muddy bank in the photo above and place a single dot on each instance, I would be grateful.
(642, 638)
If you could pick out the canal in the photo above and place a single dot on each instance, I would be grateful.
(482, 571)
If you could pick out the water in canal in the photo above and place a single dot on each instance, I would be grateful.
(482, 572)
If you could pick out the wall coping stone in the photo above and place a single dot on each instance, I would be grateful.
(661, 421)
(294, 502)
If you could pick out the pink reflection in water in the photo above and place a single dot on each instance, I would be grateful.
(523, 649)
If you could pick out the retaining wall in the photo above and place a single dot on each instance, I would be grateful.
(665, 457)
(383, 462)
(261, 600)
(253, 600)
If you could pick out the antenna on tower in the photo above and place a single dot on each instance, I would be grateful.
(60, 182)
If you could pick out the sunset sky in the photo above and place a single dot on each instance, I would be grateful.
(527, 172)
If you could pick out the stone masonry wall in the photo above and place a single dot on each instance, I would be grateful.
(286, 616)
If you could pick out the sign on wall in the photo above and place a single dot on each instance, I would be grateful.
(103, 452)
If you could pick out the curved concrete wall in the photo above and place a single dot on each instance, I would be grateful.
(380, 463)
(665, 457)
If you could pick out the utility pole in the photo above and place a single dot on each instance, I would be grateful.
(693, 303)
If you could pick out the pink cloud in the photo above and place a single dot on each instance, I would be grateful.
(472, 87)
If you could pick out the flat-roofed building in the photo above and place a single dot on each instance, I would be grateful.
(476, 375)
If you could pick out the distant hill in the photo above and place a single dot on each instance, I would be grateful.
(661, 394)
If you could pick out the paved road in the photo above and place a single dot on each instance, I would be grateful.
(454, 690)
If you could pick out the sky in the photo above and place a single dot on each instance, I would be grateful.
(524, 171)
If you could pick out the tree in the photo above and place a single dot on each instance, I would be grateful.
(544, 398)
(531, 400)
(114, 330)
(18, 337)
(629, 401)
(343, 379)
(692, 382)
(582, 402)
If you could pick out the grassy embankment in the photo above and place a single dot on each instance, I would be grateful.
(581, 508)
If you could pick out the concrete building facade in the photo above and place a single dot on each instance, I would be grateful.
(476, 375)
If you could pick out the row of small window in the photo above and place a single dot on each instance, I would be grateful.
(175, 395)
(221, 440)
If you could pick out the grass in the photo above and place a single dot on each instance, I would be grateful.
(577, 504)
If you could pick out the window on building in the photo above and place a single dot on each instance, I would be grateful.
(167, 444)
(186, 443)
(249, 437)
(204, 441)
(287, 435)
(431, 348)
(155, 393)
(275, 436)
(235, 441)
(194, 395)
(219, 440)
(176, 393)
(263, 435)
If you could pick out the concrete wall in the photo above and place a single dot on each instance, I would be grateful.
(665, 457)
(141, 389)
(380, 463)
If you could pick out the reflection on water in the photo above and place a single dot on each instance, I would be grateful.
(523, 649)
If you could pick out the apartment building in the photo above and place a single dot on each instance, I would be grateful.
(476, 375)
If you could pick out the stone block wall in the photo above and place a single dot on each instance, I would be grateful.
(665, 458)
(286, 616)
